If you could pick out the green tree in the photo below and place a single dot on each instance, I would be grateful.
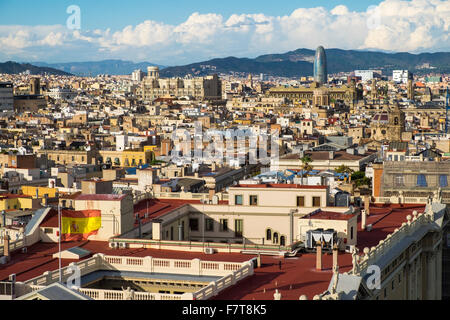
(344, 169)
(306, 160)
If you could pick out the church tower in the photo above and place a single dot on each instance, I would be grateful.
(396, 124)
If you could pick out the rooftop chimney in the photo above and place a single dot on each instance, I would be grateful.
(6, 246)
(367, 204)
(319, 257)
(363, 219)
(335, 257)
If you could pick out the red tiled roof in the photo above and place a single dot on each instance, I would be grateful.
(297, 275)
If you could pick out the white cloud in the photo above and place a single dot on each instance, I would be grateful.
(415, 26)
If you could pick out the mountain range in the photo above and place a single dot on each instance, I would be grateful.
(11, 67)
(300, 63)
(95, 68)
(291, 64)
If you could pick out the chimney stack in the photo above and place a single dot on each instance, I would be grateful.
(319, 257)
(363, 219)
(335, 257)
(6, 246)
(367, 204)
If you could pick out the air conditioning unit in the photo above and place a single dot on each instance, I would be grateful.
(209, 251)
(24, 250)
(12, 277)
(369, 227)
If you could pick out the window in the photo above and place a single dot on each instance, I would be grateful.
(399, 278)
(300, 201)
(238, 199)
(209, 224)
(253, 200)
(385, 292)
(268, 234)
(171, 233)
(282, 241)
(238, 228)
(275, 237)
(316, 201)
(392, 284)
(223, 225)
(421, 180)
(399, 180)
(351, 233)
(48, 230)
(443, 182)
(193, 224)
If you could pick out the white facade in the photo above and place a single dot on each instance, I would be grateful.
(137, 75)
(365, 75)
(61, 94)
(400, 76)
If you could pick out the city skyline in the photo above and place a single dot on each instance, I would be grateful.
(201, 32)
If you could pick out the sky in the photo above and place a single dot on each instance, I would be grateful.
(175, 32)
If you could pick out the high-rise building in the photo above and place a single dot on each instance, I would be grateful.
(137, 75)
(6, 96)
(320, 66)
(401, 76)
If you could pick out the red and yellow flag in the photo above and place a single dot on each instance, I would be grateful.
(79, 225)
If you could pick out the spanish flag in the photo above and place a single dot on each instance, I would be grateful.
(79, 225)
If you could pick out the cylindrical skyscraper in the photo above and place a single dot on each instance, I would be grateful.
(320, 66)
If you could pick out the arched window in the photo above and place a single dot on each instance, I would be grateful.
(268, 234)
(275, 237)
(282, 241)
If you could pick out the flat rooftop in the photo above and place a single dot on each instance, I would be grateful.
(297, 275)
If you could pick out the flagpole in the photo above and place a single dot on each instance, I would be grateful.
(59, 242)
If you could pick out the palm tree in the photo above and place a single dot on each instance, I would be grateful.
(306, 160)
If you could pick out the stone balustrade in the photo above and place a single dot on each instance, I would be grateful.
(230, 273)
(371, 255)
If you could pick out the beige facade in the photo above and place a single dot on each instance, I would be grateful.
(205, 88)
(117, 213)
(295, 196)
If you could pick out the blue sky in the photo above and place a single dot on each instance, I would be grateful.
(171, 32)
(116, 14)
